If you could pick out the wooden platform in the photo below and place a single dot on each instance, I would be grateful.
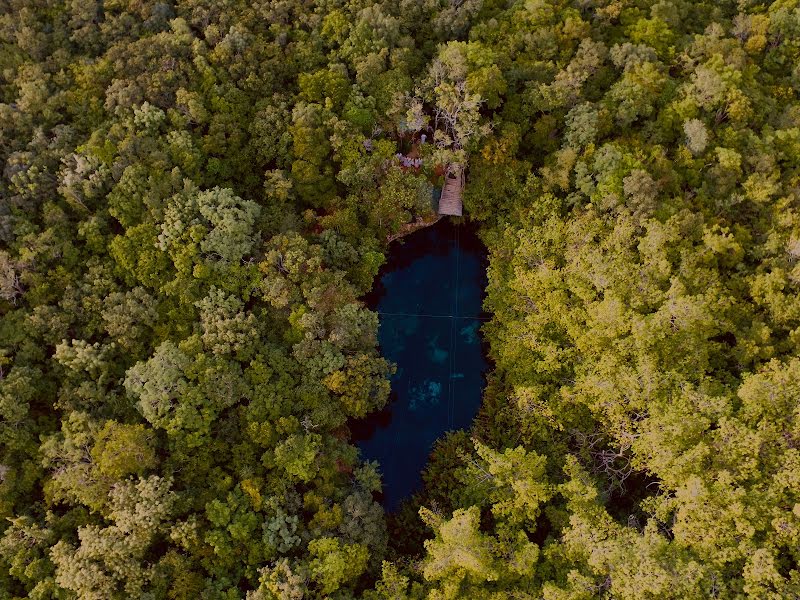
(450, 202)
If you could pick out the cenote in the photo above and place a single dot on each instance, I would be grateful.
(429, 299)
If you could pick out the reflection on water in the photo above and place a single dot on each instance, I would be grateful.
(429, 299)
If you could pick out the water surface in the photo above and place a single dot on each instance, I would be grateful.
(428, 297)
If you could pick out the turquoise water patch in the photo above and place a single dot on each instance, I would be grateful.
(429, 301)
(469, 333)
(424, 396)
(436, 353)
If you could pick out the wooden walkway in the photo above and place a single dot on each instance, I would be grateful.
(450, 202)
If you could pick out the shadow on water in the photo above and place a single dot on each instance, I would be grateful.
(429, 298)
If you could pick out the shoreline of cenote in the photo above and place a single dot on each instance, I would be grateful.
(429, 298)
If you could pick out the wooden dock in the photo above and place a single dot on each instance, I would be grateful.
(450, 202)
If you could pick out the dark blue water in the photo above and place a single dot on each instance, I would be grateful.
(428, 297)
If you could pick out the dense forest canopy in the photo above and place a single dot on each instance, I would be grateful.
(195, 195)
